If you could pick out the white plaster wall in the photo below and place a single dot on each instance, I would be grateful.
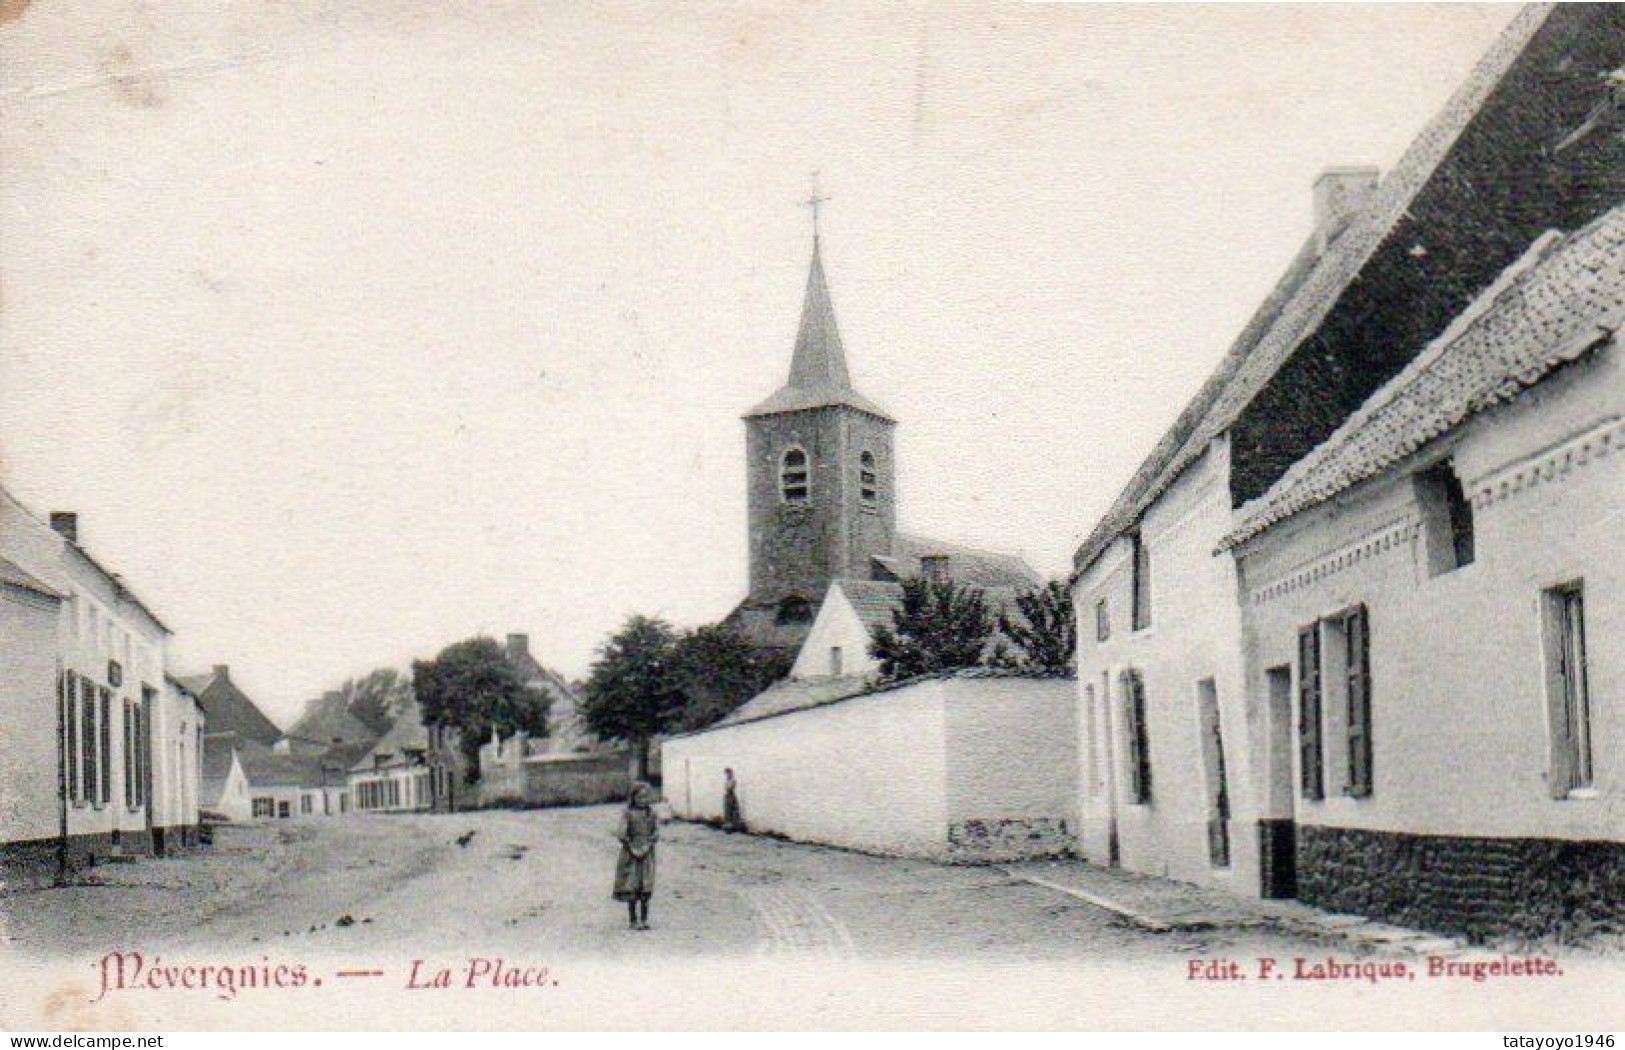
(1012, 746)
(95, 625)
(28, 747)
(837, 624)
(1459, 720)
(1195, 634)
(867, 773)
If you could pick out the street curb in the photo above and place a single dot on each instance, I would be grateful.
(1351, 929)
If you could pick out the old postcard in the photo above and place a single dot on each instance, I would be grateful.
(802, 515)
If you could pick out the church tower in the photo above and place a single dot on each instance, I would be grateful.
(821, 478)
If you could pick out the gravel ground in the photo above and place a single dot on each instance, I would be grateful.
(539, 881)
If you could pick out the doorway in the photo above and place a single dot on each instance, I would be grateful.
(1277, 830)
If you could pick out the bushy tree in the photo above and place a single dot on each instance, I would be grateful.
(634, 691)
(377, 697)
(718, 669)
(939, 626)
(472, 688)
(1046, 632)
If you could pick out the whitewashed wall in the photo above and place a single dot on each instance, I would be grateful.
(1195, 634)
(867, 773)
(1459, 721)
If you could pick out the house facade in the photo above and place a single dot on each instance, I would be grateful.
(1181, 728)
(89, 758)
(1434, 615)
(412, 768)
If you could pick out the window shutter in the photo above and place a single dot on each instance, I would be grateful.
(1139, 741)
(1309, 728)
(70, 733)
(89, 791)
(129, 754)
(1560, 775)
(1357, 632)
(105, 777)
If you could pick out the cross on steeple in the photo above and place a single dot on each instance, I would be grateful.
(813, 202)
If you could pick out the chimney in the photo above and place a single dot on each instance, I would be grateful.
(221, 670)
(934, 567)
(518, 645)
(66, 523)
(1339, 194)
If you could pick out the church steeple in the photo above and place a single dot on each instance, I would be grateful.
(818, 372)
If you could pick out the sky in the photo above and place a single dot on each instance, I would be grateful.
(355, 329)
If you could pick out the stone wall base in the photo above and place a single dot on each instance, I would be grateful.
(1000, 839)
(1480, 888)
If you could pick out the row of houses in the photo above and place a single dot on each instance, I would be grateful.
(1351, 633)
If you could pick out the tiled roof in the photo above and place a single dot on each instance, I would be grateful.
(12, 573)
(1566, 299)
(267, 768)
(967, 565)
(407, 733)
(1304, 296)
(875, 600)
(229, 710)
(818, 373)
(327, 719)
(792, 695)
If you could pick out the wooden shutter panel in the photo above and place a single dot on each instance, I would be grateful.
(70, 733)
(105, 777)
(1139, 741)
(1357, 632)
(1309, 721)
(1560, 778)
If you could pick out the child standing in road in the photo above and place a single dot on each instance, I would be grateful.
(635, 868)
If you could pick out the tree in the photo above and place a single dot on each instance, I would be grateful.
(472, 688)
(939, 627)
(718, 669)
(377, 697)
(1046, 631)
(634, 691)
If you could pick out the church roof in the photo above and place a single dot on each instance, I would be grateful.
(969, 566)
(1565, 300)
(818, 373)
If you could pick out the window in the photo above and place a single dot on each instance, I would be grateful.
(1141, 583)
(794, 485)
(282, 811)
(1334, 688)
(263, 807)
(868, 481)
(304, 805)
(1568, 693)
(1103, 621)
(1357, 668)
(1447, 519)
(835, 660)
(1139, 741)
(1310, 761)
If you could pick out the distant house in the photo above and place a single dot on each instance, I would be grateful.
(281, 785)
(229, 709)
(325, 723)
(412, 767)
(838, 643)
(225, 784)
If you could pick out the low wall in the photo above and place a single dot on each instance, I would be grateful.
(1481, 888)
(557, 780)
